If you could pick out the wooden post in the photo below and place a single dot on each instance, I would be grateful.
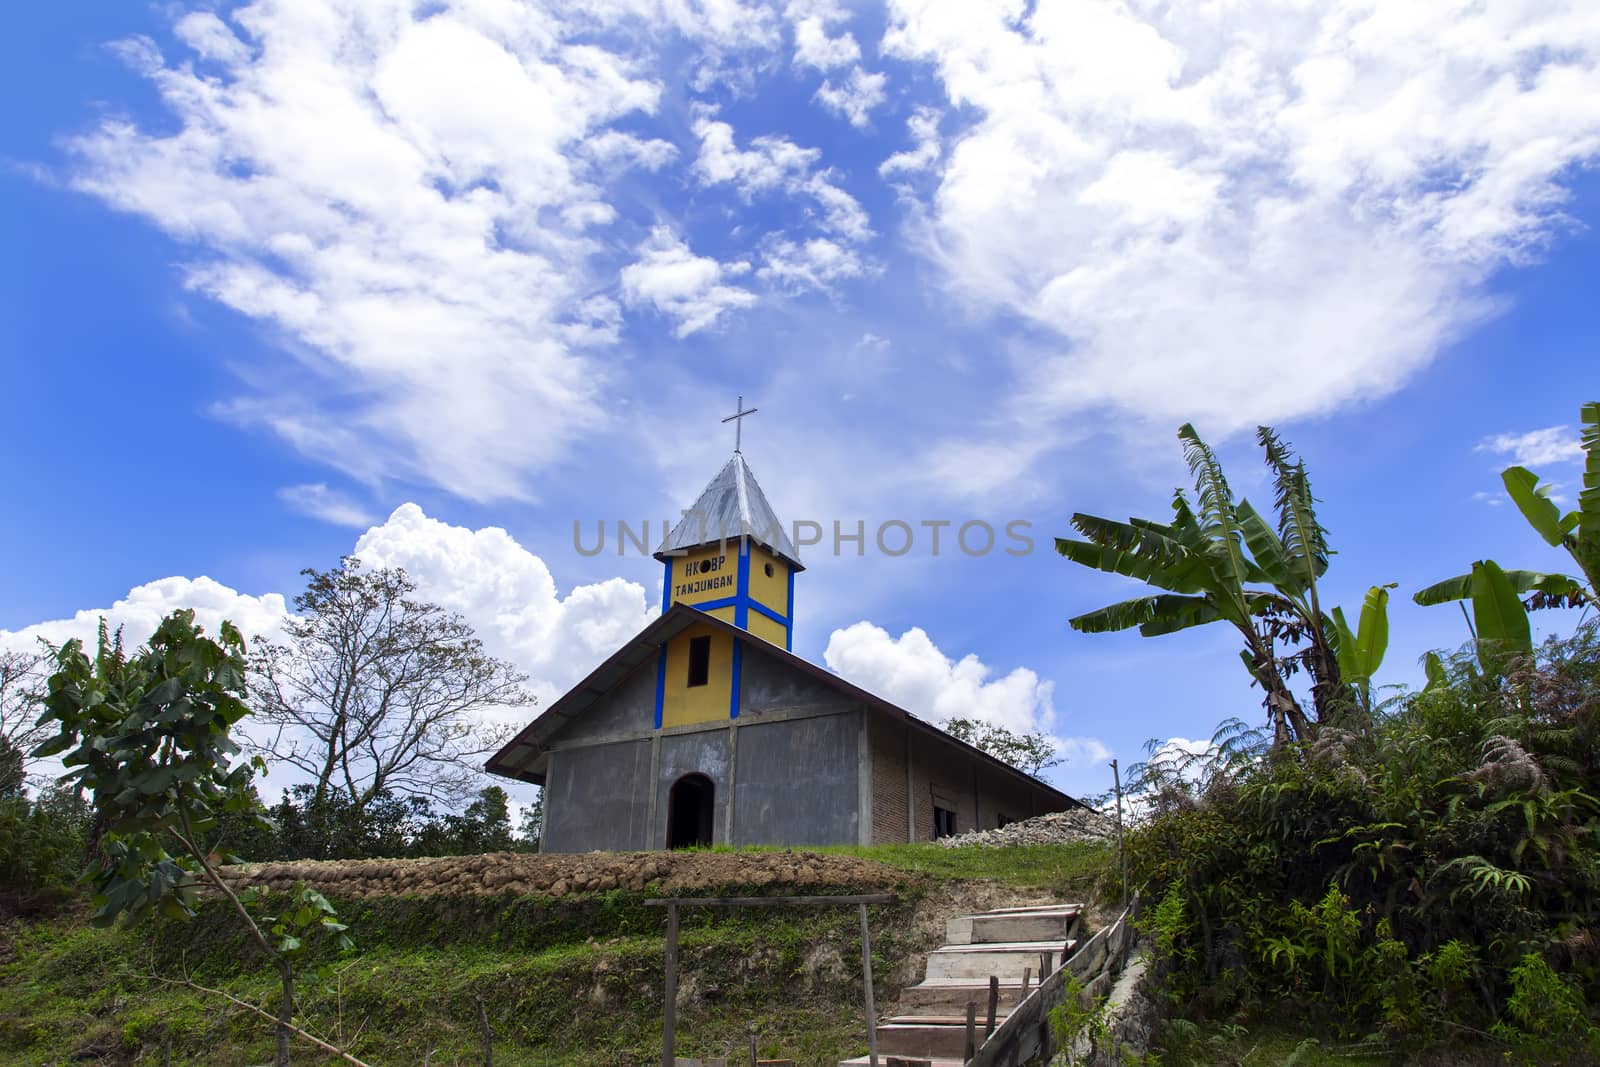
(1027, 973)
(1122, 852)
(669, 1018)
(866, 983)
(752, 1045)
(1046, 965)
(972, 1032)
(994, 1004)
(488, 1035)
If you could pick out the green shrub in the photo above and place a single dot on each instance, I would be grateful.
(1398, 878)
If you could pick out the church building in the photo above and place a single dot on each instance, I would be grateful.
(705, 728)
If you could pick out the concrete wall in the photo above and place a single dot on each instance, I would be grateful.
(798, 781)
(598, 798)
(773, 687)
(788, 771)
(704, 752)
(628, 710)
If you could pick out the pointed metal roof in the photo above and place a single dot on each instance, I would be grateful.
(732, 506)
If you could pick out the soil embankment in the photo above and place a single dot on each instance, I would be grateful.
(558, 875)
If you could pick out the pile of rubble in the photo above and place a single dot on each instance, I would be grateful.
(1057, 828)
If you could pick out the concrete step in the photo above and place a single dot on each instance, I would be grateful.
(1005, 960)
(952, 997)
(1034, 924)
(932, 1041)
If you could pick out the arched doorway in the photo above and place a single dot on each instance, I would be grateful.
(690, 805)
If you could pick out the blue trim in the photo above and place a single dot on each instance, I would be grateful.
(738, 664)
(713, 605)
(768, 612)
(661, 681)
(666, 588)
(789, 624)
(741, 610)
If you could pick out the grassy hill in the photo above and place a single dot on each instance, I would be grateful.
(570, 979)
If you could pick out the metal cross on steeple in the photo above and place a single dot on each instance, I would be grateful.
(737, 418)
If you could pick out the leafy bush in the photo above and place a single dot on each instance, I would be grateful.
(1433, 872)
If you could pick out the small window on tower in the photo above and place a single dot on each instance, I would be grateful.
(769, 570)
(699, 661)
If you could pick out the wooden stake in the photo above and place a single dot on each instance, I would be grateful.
(1027, 973)
(669, 1018)
(1122, 851)
(866, 982)
(994, 1004)
(972, 1032)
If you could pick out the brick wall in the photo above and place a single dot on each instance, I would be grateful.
(887, 739)
(976, 790)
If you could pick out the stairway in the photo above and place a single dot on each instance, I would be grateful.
(931, 1025)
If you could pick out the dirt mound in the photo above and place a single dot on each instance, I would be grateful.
(1057, 828)
(558, 875)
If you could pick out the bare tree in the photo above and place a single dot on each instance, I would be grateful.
(375, 691)
(22, 680)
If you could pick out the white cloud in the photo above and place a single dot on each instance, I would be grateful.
(923, 126)
(1232, 226)
(777, 164)
(854, 98)
(1536, 448)
(509, 596)
(141, 611)
(408, 198)
(329, 505)
(682, 285)
(813, 47)
(505, 592)
(912, 672)
(816, 264)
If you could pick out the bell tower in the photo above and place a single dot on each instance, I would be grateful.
(730, 557)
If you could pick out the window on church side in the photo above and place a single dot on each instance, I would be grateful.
(699, 661)
(944, 822)
(1001, 821)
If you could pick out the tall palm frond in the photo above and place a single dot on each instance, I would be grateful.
(1215, 501)
(1304, 538)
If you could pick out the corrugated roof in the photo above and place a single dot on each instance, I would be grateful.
(732, 506)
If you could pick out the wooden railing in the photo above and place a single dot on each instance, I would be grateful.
(1025, 1033)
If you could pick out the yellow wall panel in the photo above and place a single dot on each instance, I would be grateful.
(681, 704)
(710, 573)
(768, 630)
(771, 590)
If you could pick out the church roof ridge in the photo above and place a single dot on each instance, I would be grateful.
(731, 506)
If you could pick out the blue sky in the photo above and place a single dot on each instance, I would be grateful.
(433, 281)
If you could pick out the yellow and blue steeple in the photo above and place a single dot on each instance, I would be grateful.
(730, 557)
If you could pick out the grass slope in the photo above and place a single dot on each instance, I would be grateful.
(575, 980)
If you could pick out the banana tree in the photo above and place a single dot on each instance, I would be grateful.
(1500, 618)
(1221, 561)
(1361, 650)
